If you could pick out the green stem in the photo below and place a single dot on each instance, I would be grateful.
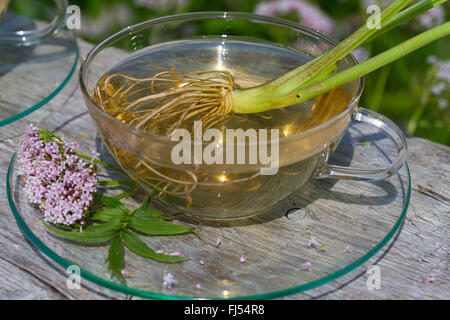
(105, 164)
(345, 47)
(380, 86)
(414, 120)
(318, 67)
(365, 67)
(119, 183)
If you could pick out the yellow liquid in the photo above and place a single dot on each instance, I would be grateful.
(221, 191)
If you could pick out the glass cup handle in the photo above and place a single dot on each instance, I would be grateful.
(392, 131)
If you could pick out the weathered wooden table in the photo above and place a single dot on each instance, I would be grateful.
(25, 273)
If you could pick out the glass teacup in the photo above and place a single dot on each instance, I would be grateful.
(230, 190)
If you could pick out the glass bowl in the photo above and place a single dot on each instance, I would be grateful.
(36, 22)
(228, 191)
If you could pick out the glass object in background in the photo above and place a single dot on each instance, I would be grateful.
(27, 22)
(37, 57)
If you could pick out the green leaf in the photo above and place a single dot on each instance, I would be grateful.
(116, 183)
(115, 224)
(144, 213)
(111, 202)
(47, 136)
(143, 210)
(115, 256)
(145, 204)
(157, 227)
(92, 234)
(108, 214)
(140, 248)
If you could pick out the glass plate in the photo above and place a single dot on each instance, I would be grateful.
(51, 61)
(352, 220)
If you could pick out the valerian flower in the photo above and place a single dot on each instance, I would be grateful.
(361, 54)
(307, 265)
(440, 87)
(169, 281)
(366, 3)
(313, 242)
(174, 254)
(442, 69)
(431, 18)
(56, 178)
(423, 259)
(162, 5)
(437, 247)
(218, 242)
(308, 14)
(347, 249)
(430, 279)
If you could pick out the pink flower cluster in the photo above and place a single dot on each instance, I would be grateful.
(308, 14)
(59, 181)
(441, 85)
(442, 68)
(432, 18)
(169, 282)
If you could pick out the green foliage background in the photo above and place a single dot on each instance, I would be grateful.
(401, 91)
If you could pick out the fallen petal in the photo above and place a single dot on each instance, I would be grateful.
(347, 249)
(307, 266)
(437, 246)
(313, 242)
(430, 279)
(218, 242)
(423, 259)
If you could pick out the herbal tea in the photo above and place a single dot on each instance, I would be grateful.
(219, 190)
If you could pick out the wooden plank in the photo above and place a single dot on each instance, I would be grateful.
(402, 273)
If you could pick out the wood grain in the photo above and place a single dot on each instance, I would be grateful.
(26, 274)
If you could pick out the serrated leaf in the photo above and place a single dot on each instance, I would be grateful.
(140, 248)
(157, 227)
(108, 214)
(92, 234)
(111, 202)
(115, 256)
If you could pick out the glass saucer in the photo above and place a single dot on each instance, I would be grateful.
(31, 74)
(266, 256)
